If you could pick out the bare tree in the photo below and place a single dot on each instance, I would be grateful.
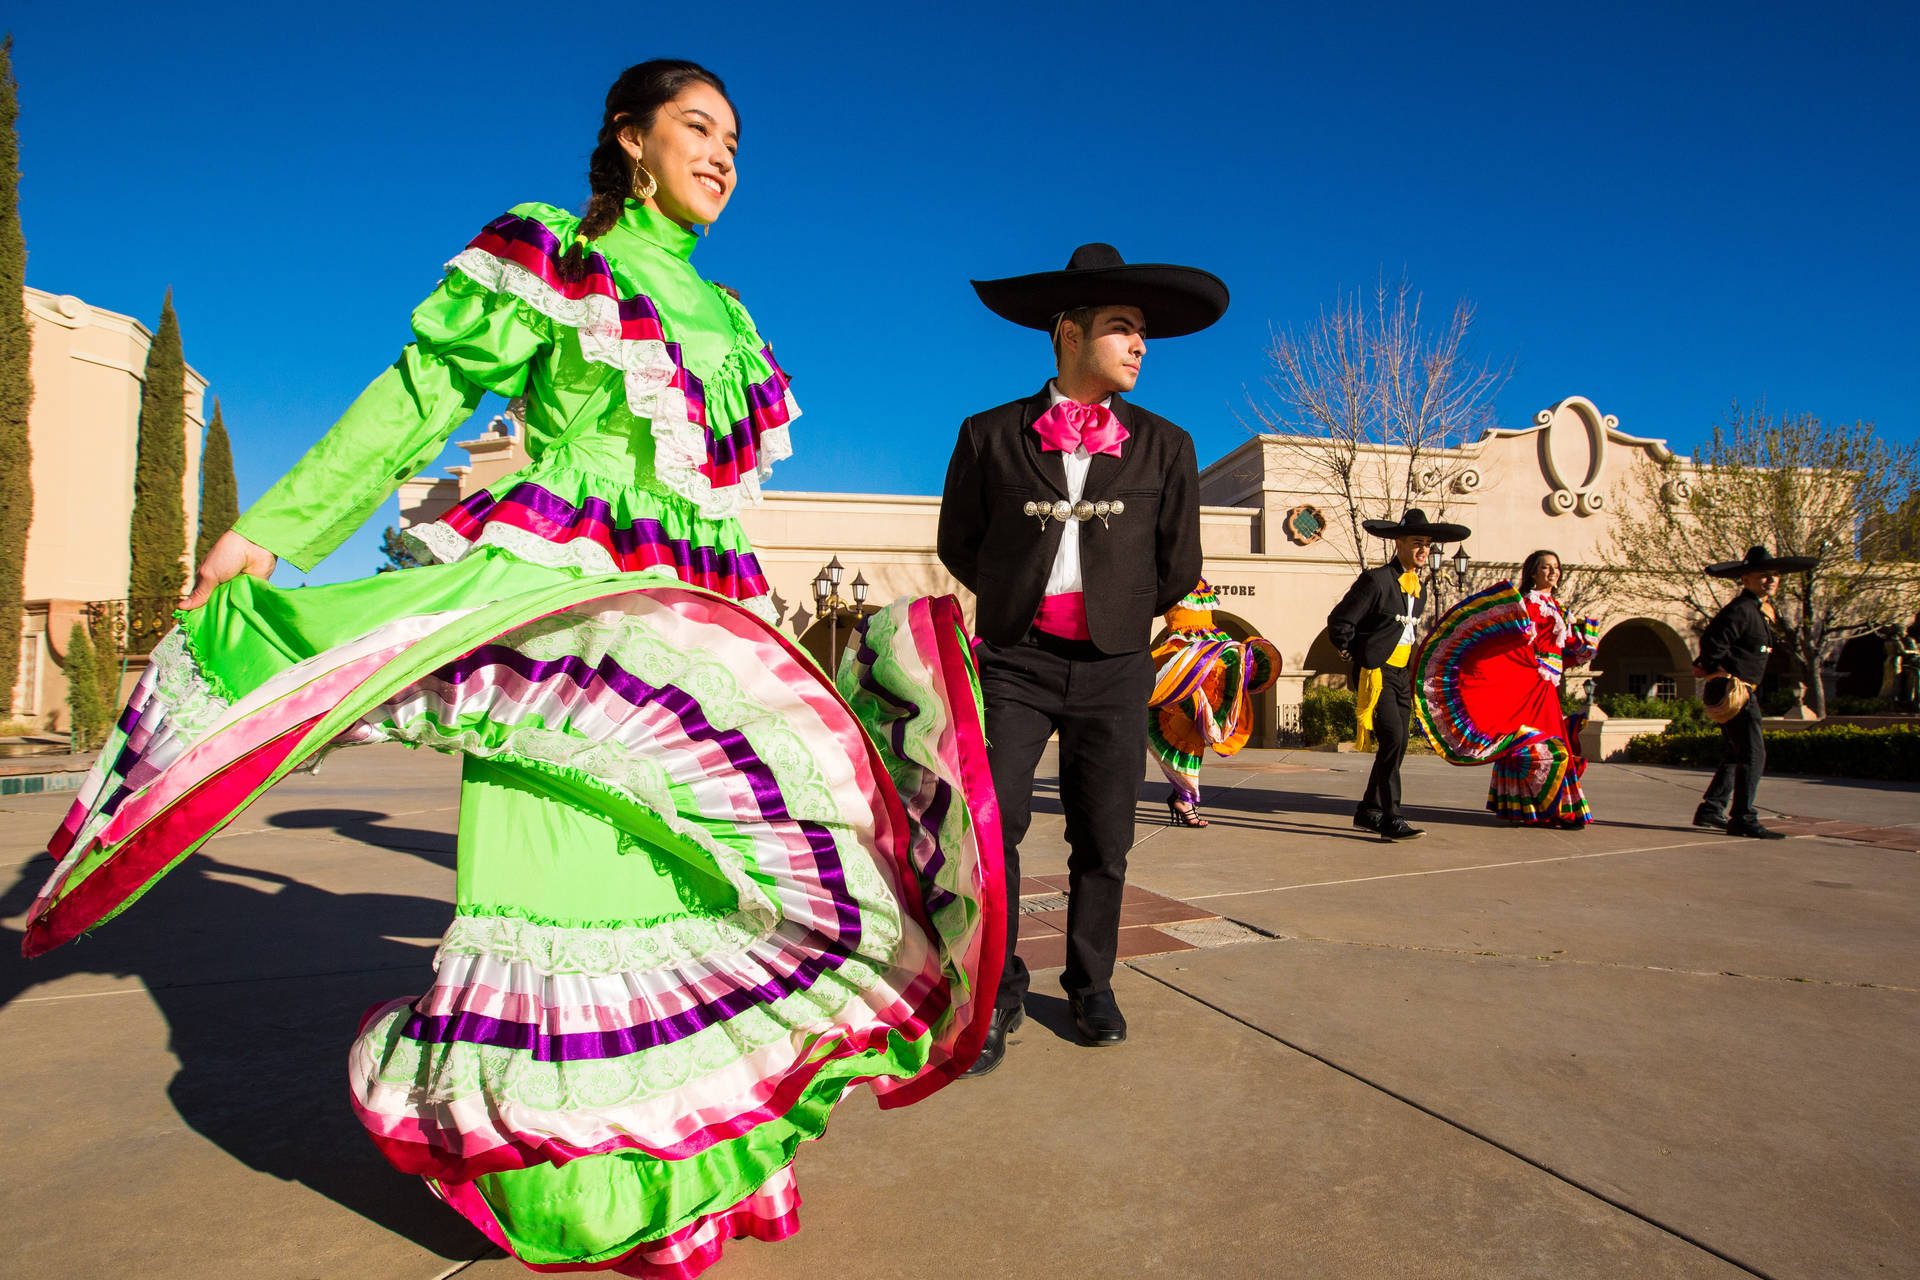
(1799, 486)
(1371, 409)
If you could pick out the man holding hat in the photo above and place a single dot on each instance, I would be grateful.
(1733, 658)
(1074, 517)
(1376, 624)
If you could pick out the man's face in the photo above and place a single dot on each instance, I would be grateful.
(1413, 552)
(1106, 358)
(1761, 584)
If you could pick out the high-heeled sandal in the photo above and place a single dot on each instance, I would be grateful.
(1178, 817)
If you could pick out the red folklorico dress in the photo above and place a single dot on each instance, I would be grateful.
(1489, 691)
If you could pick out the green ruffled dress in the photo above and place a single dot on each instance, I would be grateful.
(701, 891)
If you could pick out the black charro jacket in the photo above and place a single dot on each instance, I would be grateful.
(1738, 640)
(1134, 567)
(1366, 623)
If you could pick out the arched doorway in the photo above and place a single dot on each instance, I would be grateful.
(1860, 670)
(1643, 657)
(827, 638)
(1326, 668)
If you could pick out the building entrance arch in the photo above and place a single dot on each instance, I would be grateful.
(1644, 657)
(1326, 668)
(1860, 669)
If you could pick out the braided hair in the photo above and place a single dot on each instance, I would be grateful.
(632, 104)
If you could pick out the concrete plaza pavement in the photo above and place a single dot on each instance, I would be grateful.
(1635, 1050)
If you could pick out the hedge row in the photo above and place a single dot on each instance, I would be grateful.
(1684, 714)
(1841, 751)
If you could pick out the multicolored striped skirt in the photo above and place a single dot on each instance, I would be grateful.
(702, 889)
(1204, 686)
(1485, 695)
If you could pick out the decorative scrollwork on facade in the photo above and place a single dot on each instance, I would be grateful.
(1676, 492)
(1467, 481)
(1580, 494)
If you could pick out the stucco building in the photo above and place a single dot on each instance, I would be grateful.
(1268, 526)
(89, 371)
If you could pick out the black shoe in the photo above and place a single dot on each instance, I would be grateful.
(1368, 819)
(1097, 1018)
(1754, 831)
(1005, 1021)
(1706, 816)
(1398, 828)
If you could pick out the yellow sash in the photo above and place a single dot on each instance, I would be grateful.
(1367, 697)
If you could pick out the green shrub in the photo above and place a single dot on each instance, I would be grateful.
(1328, 715)
(1857, 706)
(1778, 702)
(1684, 715)
(1841, 751)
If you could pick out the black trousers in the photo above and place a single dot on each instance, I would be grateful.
(1097, 703)
(1392, 717)
(1736, 783)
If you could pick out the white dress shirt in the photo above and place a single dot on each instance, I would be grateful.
(1065, 574)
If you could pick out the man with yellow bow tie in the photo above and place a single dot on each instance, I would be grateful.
(1376, 624)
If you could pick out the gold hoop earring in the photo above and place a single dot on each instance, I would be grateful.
(644, 183)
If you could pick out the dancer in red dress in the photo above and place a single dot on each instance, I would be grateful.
(1490, 691)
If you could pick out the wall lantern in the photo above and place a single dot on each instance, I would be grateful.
(1461, 563)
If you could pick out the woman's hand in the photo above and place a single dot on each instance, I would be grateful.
(230, 557)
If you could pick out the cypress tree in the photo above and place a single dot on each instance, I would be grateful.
(219, 493)
(106, 661)
(158, 533)
(83, 690)
(16, 391)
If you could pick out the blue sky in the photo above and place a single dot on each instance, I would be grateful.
(1659, 207)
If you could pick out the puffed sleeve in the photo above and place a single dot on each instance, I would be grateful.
(468, 340)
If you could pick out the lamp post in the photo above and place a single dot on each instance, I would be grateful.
(1461, 563)
(826, 595)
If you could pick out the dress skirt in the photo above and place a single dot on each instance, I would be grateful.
(1487, 694)
(702, 890)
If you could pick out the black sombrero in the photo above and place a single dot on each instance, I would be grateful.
(1413, 523)
(1760, 560)
(1175, 300)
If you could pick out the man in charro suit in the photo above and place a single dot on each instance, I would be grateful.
(1074, 517)
(1732, 660)
(1377, 624)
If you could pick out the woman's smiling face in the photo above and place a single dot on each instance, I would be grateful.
(689, 149)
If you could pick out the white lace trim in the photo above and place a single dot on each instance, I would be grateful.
(437, 543)
(190, 700)
(603, 951)
(680, 445)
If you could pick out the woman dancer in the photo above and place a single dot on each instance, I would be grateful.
(1203, 694)
(700, 893)
(1490, 690)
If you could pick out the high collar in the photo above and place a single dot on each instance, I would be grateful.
(657, 230)
(1055, 395)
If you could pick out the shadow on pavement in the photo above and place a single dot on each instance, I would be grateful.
(263, 980)
(363, 827)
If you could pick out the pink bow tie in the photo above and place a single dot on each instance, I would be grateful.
(1070, 424)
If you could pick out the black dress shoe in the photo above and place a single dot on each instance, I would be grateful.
(1368, 820)
(1706, 816)
(1754, 831)
(1004, 1021)
(1398, 828)
(1097, 1018)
